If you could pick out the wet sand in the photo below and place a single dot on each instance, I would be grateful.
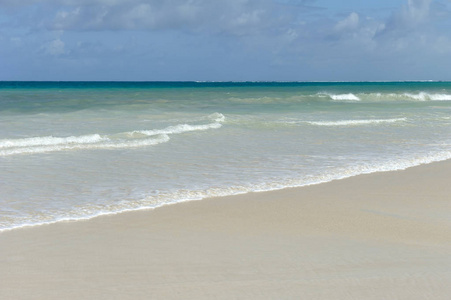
(378, 236)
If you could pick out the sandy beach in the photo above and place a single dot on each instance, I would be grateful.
(378, 236)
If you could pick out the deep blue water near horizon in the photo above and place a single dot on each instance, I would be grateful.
(331, 86)
(75, 150)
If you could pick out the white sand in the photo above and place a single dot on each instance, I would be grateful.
(379, 236)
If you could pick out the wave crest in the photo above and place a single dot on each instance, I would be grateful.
(345, 97)
(404, 96)
(355, 122)
(132, 139)
(423, 96)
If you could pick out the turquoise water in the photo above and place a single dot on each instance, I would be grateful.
(75, 150)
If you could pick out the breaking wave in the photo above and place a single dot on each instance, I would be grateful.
(403, 96)
(355, 122)
(426, 96)
(345, 97)
(132, 139)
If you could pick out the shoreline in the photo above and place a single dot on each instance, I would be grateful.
(371, 236)
(424, 162)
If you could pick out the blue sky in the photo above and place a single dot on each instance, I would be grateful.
(222, 40)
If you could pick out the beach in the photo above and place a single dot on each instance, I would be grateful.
(385, 235)
(225, 150)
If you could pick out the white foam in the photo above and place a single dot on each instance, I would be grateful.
(355, 122)
(51, 140)
(440, 97)
(117, 145)
(423, 96)
(162, 199)
(137, 138)
(182, 128)
(217, 117)
(420, 96)
(345, 97)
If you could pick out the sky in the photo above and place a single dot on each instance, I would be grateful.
(225, 40)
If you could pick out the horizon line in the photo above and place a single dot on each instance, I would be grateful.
(233, 81)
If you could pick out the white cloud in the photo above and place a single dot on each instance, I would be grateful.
(55, 47)
(262, 31)
(416, 11)
(350, 23)
(410, 16)
(233, 16)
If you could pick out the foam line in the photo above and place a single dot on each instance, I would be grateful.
(162, 199)
(345, 97)
(356, 122)
(96, 141)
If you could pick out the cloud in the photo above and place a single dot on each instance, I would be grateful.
(232, 16)
(350, 23)
(266, 35)
(412, 15)
(55, 47)
(417, 29)
(235, 17)
(416, 11)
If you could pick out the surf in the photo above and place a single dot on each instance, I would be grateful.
(356, 122)
(131, 139)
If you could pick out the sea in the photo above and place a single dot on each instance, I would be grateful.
(76, 150)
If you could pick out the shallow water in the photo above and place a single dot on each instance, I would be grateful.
(76, 150)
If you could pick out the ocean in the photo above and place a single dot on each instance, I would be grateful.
(76, 150)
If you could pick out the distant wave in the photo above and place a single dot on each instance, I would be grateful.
(355, 122)
(132, 139)
(426, 96)
(420, 96)
(345, 97)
